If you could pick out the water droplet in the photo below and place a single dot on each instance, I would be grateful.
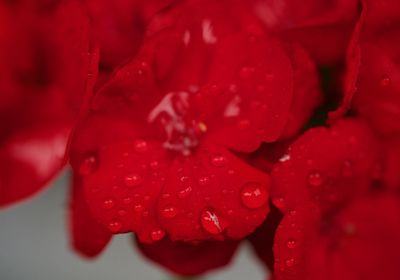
(315, 179)
(154, 165)
(114, 226)
(218, 160)
(279, 202)
(127, 200)
(289, 262)
(169, 211)
(184, 179)
(133, 180)
(157, 234)
(121, 212)
(88, 165)
(284, 158)
(138, 208)
(108, 203)
(254, 196)
(203, 181)
(210, 222)
(291, 243)
(385, 81)
(347, 170)
(243, 124)
(185, 192)
(246, 72)
(140, 146)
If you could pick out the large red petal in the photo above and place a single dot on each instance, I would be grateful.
(47, 62)
(326, 165)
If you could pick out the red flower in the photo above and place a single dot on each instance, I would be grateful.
(154, 152)
(44, 66)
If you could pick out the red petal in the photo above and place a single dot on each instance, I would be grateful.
(189, 259)
(44, 65)
(307, 95)
(241, 79)
(216, 195)
(344, 246)
(292, 242)
(373, 70)
(88, 237)
(262, 240)
(326, 165)
(123, 186)
(322, 28)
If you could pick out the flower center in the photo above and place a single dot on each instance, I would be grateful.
(176, 124)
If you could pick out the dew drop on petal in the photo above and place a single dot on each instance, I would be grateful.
(88, 165)
(385, 81)
(138, 207)
(157, 234)
(108, 203)
(133, 180)
(210, 222)
(154, 165)
(169, 211)
(114, 226)
(289, 262)
(203, 181)
(291, 243)
(347, 170)
(218, 160)
(315, 179)
(122, 212)
(254, 196)
(140, 146)
(185, 192)
(127, 200)
(279, 202)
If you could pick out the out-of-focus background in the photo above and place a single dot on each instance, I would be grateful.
(34, 246)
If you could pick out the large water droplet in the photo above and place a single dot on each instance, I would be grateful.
(108, 203)
(315, 178)
(210, 222)
(157, 234)
(88, 165)
(133, 180)
(254, 196)
(169, 211)
(114, 226)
